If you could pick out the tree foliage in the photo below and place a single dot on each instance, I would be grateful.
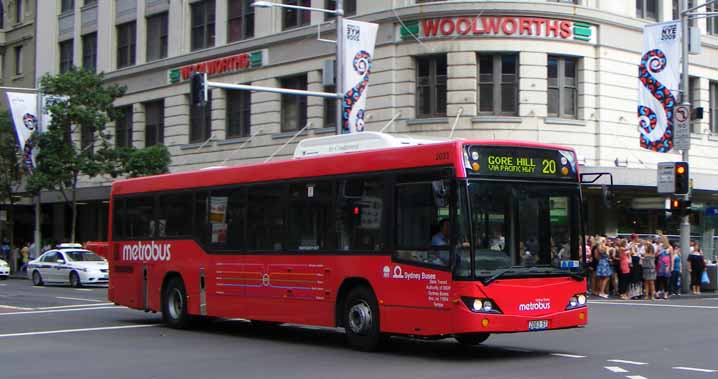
(10, 172)
(152, 160)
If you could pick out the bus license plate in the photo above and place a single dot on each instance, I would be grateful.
(538, 324)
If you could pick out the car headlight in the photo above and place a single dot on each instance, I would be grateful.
(478, 305)
(576, 301)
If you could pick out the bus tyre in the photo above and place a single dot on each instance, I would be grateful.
(75, 280)
(36, 278)
(174, 305)
(471, 339)
(361, 319)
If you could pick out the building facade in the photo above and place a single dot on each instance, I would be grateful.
(561, 72)
(17, 44)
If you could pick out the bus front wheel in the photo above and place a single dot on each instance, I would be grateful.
(471, 339)
(174, 305)
(361, 319)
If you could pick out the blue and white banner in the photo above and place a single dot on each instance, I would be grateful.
(359, 40)
(659, 75)
(23, 111)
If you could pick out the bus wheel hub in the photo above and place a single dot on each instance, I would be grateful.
(360, 318)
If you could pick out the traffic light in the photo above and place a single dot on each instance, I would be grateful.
(680, 206)
(198, 88)
(682, 186)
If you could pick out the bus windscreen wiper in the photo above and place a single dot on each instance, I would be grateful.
(497, 275)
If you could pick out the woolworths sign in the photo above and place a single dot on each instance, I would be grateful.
(499, 26)
(224, 65)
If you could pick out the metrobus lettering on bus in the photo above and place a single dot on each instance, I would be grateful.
(377, 234)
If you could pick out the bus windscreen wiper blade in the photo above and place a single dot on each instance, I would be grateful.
(497, 275)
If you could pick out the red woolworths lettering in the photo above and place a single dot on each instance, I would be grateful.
(509, 26)
(566, 29)
(491, 24)
(430, 27)
(447, 26)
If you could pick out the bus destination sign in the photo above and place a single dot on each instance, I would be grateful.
(520, 162)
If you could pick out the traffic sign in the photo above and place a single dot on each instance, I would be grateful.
(666, 177)
(682, 127)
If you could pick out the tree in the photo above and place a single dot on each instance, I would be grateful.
(83, 102)
(152, 160)
(10, 173)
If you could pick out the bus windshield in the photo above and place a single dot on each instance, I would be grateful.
(524, 229)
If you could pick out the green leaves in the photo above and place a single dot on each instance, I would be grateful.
(152, 160)
(10, 171)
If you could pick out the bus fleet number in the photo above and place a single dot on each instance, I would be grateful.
(442, 156)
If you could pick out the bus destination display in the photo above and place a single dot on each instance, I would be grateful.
(535, 163)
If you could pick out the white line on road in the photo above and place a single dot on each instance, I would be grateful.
(655, 305)
(82, 289)
(78, 299)
(615, 369)
(72, 306)
(695, 369)
(636, 377)
(567, 355)
(627, 362)
(17, 308)
(76, 330)
(3, 285)
(58, 310)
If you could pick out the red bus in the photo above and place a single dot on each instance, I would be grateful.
(443, 239)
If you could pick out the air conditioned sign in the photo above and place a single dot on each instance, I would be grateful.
(224, 65)
(500, 26)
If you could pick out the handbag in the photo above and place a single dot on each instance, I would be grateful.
(704, 278)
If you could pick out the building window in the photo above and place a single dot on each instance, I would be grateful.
(200, 121)
(498, 84)
(123, 127)
(154, 122)
(712, 23)
(293, 18)
(330, 108)
(564, 1)
(714, 107)
(562, 93)
(2, 15)
(66, 55)
(294, 108)
(67, 5)
(647, 9)
(90, 2)
(240, 19)
(18, 11)
(239, 111)
(431, 86)
(676, 11)
(89, 52)
(203, 24)
(87, 138)
(18, 60)
(350, 8)
(157, 32)
(126, 44)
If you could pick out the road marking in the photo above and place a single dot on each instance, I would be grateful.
(71, 306)
(655, 305)
(82, 289)
(636, 377)
(57, 311)
(567, 355)
(76, 330)
(695, 369)
(627, 362)
(3, 285)
(78, 299)
(516, 349)
(615, 369)
(17, 308)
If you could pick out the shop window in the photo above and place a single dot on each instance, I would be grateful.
(498, 84)
(431, 86)
(562, 92)
(203, 19)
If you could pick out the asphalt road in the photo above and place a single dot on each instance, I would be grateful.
(60, 332)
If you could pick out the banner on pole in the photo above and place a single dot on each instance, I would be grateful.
(23, 111)
(659, 75)
(359, 39)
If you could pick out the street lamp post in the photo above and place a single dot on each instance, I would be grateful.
(339, 67)
(685, 86)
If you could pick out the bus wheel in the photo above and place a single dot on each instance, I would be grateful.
(361, 319)
(36, 278)
(174, 306)
(471, 339)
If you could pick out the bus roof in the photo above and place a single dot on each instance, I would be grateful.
(383, 159)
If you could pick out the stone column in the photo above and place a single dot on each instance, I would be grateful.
(461, 88)
(138, 125)
(219, 114)
(315, 105)
(220, 22)
(141, 33)
(266, 108)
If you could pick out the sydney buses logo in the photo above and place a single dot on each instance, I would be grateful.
(148, 251)
(536, 305)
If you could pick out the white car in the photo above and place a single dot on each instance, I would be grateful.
(4, 270)
(68, 264)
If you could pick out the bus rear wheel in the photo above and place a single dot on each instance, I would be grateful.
(361, 319)
(174, 305)
(471, 339)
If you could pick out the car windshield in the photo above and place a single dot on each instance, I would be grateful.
(524, 228)
(83, 256)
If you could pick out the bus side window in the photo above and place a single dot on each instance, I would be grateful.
(266, 217)
(310, 220)
(359, 210)
(200, 216)
(140, 218)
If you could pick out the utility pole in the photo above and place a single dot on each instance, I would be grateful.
(685, 87)
(339, 66)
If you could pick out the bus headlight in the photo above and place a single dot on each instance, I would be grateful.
(480, 305)
(576, 301)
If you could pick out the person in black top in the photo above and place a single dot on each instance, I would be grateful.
(696, 265)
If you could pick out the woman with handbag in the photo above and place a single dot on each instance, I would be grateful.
(696, 266)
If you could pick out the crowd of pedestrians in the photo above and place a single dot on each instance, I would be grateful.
(641, 269)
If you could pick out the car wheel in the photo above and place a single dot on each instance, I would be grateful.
(174, 305)
(75, 280)
(361, 319)
(36, 278)
(471, 339)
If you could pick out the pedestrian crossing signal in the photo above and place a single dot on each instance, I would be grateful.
(680, 205)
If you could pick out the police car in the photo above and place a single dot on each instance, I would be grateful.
(69, 263)
(4, 270)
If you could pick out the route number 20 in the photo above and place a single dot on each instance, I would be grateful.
(549, 166)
